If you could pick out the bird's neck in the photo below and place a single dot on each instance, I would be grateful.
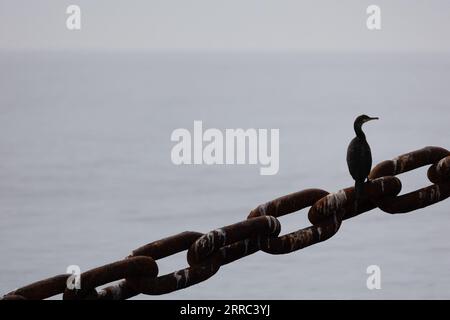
(359, 132)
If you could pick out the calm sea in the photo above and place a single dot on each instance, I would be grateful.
(86, 174)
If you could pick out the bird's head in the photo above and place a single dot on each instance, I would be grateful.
(364, 118)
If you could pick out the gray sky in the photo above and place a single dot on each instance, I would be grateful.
(407, 25)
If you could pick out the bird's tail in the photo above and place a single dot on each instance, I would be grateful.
(359, 190)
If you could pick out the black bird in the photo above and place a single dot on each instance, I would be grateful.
(359, 156)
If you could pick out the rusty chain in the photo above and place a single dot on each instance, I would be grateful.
(206, 253)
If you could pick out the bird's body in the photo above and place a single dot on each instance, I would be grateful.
(359, 156)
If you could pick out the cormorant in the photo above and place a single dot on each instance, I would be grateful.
(359, 157)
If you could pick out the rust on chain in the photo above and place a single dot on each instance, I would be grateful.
(342, 202)
(440, 172)
(168, 246)
(208, 252)
(185, 277)
(13, 297)
(239, 250)
(214, 240)
(327, 213)
(419, 198)
(408, 161)
(299, 239)
(289, 203)
(42, 289)
(302, 238)
(179, 279)
(176, 280)
(130, 267)
(118, 291)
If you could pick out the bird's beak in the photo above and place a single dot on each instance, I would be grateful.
(373, 118)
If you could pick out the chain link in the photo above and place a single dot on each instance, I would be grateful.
(423, 197)
(206, 253)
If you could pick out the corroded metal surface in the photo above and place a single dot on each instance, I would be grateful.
(440, 172)
(119, 291)
(408, 161)
(179, 279)
(175, 280)
(418, 199)
(239, 250)
(206, 253)
(133, 267)
(42, 289)
(290, 203)
(423, 197)
(168, 246)
(13, 297)
(342, 203)
(303, 237)
(214, 240)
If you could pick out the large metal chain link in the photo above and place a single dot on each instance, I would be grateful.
(206, 253)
